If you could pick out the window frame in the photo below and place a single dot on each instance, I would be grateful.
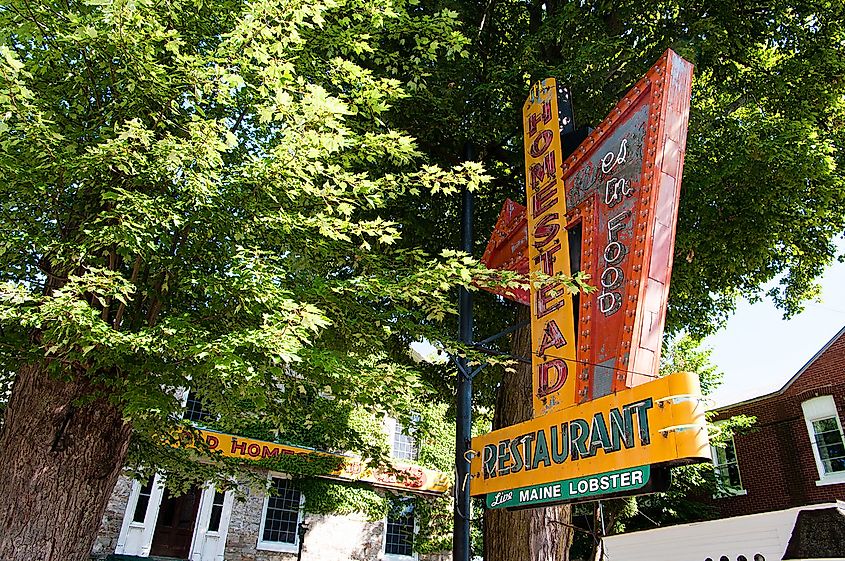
(140, 523)
(283, 547)
(396, 429)
(396, 556)
(215, 491)
(817, 409)
(204, 413)
(721, 490)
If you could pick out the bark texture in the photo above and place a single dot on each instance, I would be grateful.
(537, 534)
(59, 461)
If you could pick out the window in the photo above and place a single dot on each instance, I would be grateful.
(726, 468)
(828, 437)
(216, 511)
(281, 517)
(399, 529)
(194, 410)
(825, 431)
(143, 501)
(404, 442)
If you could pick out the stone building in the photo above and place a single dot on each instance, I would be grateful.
(143, 521)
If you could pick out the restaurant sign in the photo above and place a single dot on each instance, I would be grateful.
(600, 427)
(615, 198)
(552, 317)
(623, 482)
(405, 477)
(658, 423)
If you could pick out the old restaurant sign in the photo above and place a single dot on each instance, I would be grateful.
(617, 194)
(604, 446)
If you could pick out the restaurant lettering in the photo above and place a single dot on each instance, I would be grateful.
(620, 428)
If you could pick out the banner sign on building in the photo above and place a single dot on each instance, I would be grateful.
(597, 447)
(405, 477)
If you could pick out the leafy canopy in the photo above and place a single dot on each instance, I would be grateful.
(763, 192)
(196, 194)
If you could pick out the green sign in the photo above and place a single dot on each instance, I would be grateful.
(571, 490)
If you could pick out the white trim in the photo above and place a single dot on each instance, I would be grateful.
(181, 394)
(284, 547)
(835, 478)
(141, 532)
(815, 409)
(384, 556)
(201, 531)
(766, 533)
(393, 427)
(724, 492)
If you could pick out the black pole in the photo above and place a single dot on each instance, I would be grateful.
(300, 530)
(463, 433)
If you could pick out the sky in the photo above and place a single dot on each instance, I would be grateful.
(758, 351)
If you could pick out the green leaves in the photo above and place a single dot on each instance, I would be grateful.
(202, 195)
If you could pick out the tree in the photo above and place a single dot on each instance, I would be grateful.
(762, 193)
(197, 194)
(537, 533)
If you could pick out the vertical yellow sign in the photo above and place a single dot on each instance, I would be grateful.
(553, 342)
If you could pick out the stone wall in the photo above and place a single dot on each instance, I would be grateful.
(329, 538)
(112, 519)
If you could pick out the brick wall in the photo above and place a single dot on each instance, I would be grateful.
(776, 461)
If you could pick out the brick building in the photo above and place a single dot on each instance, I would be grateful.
(781, 485)
(794, 455)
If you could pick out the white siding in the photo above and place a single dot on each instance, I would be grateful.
(766, 534)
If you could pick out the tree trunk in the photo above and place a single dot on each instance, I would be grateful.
(59, 461)
(536, 534)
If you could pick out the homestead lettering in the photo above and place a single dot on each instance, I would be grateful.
(619, 428)
(549, 251)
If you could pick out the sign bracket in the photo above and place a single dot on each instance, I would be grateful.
(504, 332)
(464, 368)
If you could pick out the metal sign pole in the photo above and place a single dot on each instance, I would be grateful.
(463, 433)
